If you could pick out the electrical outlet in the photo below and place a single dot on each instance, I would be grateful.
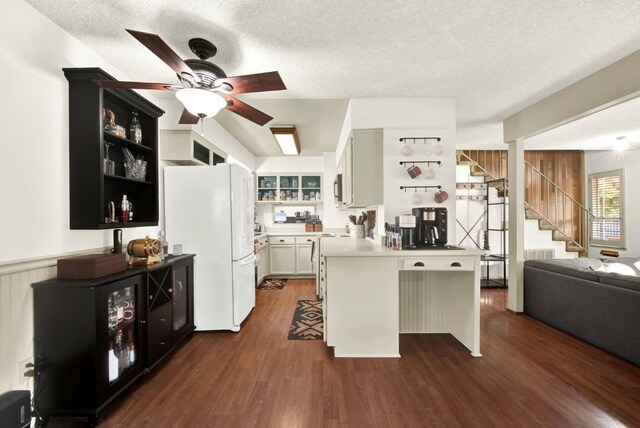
(25, 369)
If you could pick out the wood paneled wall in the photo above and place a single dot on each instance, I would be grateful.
(563, 167)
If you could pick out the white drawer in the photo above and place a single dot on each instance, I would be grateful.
(305, 239)
(282, 240)
(438, 264)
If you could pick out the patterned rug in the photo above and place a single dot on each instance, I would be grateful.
(307, 321)
(272, 284)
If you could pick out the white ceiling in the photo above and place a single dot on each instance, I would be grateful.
(495, 56)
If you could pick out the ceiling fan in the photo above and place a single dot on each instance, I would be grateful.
(206, 89)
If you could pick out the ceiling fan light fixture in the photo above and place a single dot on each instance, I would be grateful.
(201, 102)
(287, 139)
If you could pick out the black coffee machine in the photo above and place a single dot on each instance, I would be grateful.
(431, 227)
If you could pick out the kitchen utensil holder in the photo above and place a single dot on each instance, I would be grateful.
(356, 231)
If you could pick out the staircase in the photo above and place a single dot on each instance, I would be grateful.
(546, 202)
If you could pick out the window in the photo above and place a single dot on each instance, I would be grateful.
(606, 196)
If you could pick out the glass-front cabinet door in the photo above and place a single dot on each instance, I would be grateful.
(288, 188)
(267, 188)
(311, 187)
(181, 312)
(121, 308)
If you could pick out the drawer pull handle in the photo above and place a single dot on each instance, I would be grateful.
(162, 319)
(456, 264)
(282, 240)
(418, 264)
(308, 240)
(162, 343)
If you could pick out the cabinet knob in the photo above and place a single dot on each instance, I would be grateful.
(170, 290)
(143, 322)
(162, 343)
(150, 297)
(162, 319)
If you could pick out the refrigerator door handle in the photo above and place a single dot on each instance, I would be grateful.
(250, 259)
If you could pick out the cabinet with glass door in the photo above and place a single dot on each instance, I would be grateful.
(293, 188)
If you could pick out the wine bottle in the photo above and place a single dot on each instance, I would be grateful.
(135, 130)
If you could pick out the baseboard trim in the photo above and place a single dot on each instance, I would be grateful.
(514, 312)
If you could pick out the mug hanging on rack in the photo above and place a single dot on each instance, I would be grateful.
(438, 150)
(416, 198)
(429, 173)
(406, 150)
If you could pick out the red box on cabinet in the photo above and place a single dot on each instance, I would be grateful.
(91, 266)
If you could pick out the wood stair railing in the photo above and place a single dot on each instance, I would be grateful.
(558, 216)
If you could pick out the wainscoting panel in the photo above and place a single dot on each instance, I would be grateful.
(16, 312)
(421, 297)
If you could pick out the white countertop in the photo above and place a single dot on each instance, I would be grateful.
(350, 247)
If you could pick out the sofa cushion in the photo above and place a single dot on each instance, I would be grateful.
(630, 282)
(623, 265)
(569, 267)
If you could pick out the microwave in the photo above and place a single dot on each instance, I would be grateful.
(337, 190)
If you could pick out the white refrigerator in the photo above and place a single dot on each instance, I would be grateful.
(209, 210)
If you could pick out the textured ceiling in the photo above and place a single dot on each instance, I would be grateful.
(495, 56)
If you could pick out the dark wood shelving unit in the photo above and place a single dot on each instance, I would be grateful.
(90, 189)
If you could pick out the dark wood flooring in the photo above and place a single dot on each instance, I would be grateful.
(530, 375)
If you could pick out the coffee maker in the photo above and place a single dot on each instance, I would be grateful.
(431, 227)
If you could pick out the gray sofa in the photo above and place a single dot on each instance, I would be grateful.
(595, 300)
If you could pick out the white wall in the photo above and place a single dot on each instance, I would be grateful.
(330, 216)
(34, 178)
(601, 161)
(408, 117)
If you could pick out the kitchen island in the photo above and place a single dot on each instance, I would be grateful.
(372, 294)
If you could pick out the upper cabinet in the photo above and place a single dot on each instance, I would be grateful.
(110, 155)
(185, 147)
(294, 188)
(361, 169)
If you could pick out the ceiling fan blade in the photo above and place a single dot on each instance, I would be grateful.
(188, 118)
(261, 82)
(245, 110)
(137, 85)
(155, 44)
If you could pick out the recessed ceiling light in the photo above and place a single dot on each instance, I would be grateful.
(619, 145)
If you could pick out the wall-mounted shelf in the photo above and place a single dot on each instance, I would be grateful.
(90, 188)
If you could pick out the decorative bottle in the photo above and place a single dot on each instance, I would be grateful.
(135, 130)
(165, 245)
(132, 349)
(112, 312)
(124, 209)
(113, 364)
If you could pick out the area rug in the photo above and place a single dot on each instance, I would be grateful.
(272, 284)
(307, 321)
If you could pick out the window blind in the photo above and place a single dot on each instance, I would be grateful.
(606, 191)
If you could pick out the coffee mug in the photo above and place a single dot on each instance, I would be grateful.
(429, 173)
(441, 196)
(414, 171)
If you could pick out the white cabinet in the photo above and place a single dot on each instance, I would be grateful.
(362, 169)
(283, 259)
(304, 246)
(263, 256)
(185, 147)
(291, 255)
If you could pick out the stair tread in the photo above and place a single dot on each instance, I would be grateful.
(575, 249)
(466, 163)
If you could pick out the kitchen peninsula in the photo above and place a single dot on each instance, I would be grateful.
(372, 294)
